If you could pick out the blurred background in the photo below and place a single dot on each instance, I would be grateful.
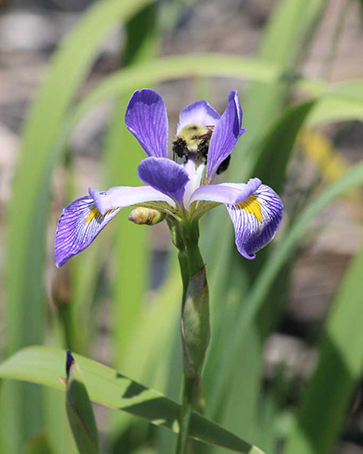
(286, 360)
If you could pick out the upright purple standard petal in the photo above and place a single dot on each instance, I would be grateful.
(256, 220)
(230, 193)
(77, 227)
(225, 135)
(199, 112)
(146, 118)
(165, 176)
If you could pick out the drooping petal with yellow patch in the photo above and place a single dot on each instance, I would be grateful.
(252, 206)
(230, 193)
(256, 220)
(77, 227)
(84, 218)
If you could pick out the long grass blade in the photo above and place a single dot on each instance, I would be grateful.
(260, 289)
(338, 371)
(43, 365)
(287, 29)
(26, 239)
(275, 152)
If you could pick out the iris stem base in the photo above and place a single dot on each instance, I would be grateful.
(185, 237)
(189, 387)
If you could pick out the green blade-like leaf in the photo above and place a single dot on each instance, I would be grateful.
(79, 410)
(56, 423)
(259, 291)
(276, 150)
(189, 65)
(289, 26)
(147, 361)
(278, 145)
(287, 33)
(168, 68)
(26, 239)
(122, 155)
(30, 190)
(130, 252)
(107, 387)
(341, 102)
(339, 368)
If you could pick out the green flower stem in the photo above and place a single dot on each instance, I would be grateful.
(186, 411)
(190, 236)
(194, 312)
(187, 242)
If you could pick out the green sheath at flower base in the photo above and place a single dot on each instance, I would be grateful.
(195, 324)
(79, 410)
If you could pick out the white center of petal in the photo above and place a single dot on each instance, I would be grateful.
(195, 172)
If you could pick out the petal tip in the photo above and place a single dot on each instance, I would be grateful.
(233, 94)
(225, 135)
(59, 263)
(200, 112)
(146, 119)
(246, 255)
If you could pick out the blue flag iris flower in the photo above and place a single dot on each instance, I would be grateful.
(180, 187)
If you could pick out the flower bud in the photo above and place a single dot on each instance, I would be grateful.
(146, 216)
(195, 324)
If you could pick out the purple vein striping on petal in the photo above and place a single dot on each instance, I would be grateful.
(123, 196)
(78, 226)
(199, 112)
(164, 175)
(227, 193)
(146, 118)
(250, 233)
(225, 135)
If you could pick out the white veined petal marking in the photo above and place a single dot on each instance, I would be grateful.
(252, 206)
(94, 214)
(78, 226)
(256, 220)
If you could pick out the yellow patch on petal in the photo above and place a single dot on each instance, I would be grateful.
(94, 213)
(252, 205)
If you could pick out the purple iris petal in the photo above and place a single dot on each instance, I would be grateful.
(77, 227)
(123, 196)
(225, 135)
(199, 112)
(165, 176)
(256, 220)
(230, 193)
(146, 118)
